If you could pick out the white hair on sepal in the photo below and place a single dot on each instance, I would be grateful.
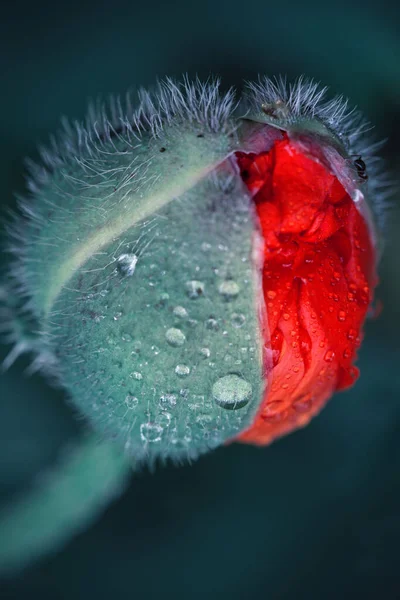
(18, 331)
(306, 99)
(360, 141)
(170, 102)
(193, 101)
(19, 327)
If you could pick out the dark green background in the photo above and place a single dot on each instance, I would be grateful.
(316, 515)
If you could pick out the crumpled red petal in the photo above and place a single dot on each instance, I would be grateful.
(318, 277)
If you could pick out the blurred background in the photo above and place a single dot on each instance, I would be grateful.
(315, 515)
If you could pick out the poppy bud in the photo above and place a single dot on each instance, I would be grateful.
(200, 275)
(193, 273)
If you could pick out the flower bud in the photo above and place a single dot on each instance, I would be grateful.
(199, 274)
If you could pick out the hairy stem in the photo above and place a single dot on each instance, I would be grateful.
(67, 497)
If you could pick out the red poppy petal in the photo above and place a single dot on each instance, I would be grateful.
(317, 280)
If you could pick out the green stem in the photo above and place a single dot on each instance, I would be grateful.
(65, 500)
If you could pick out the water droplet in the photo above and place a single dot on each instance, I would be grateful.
(229, 289)
(329, 356)
(97, 318)
(164, 297)
(205, 352)
(182, 370)
(352, 334)
(212, 324)
(137, 345)
(346, 353)
(238, 320)
(175, 337)
(127, 264)
(151, 432)
(136, 375)
(231, 392)
(164, 419)
(309, 258)
(341, 315)
(131, 401)
(274, 410)
(286, 316)
(271, 295)
(194, 289)
(117, 316)
(181, 312)
(168, 400)
(303, 404)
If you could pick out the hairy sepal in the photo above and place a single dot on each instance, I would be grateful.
(148, 327)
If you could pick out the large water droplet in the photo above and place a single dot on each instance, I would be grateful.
(151, 432)
(231, 392)
(127, 264)
(175, 337)
(229, 289)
